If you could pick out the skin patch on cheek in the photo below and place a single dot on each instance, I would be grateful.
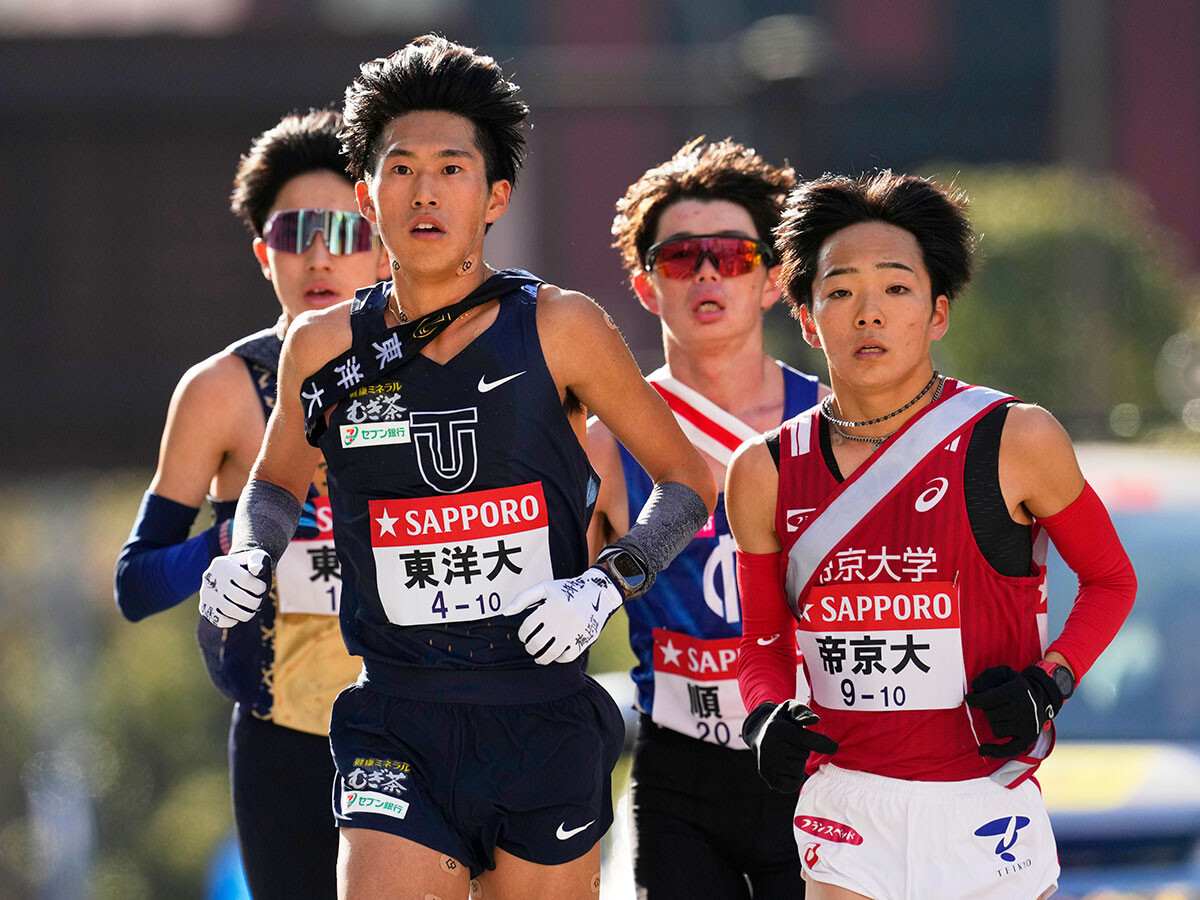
(432, 897)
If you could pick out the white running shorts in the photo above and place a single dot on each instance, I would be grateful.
(892, 839)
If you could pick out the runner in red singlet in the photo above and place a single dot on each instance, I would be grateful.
(902, 525)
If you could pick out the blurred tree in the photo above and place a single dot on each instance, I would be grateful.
(1076, 291)
(149, 739)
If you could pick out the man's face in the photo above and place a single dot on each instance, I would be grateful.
(708, 306)
(316, 278)
(429, 194)
(871, 310)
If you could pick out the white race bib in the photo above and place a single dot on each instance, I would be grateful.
(884, 647)
(459, 557)
(308, 577)
(695, 687)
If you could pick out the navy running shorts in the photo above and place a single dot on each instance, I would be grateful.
(532, 778)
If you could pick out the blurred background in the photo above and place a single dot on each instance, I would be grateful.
(1074, 125)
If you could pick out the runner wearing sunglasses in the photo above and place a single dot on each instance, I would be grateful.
(473, 745)
(901, 526)
(694, 235)
(315, 249)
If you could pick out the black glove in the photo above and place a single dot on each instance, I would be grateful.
(1018, 705)
(781, 741)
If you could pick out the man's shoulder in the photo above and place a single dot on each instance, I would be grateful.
(317, 336)
(213, 383)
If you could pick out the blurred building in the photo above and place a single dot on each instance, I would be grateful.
(121, 122)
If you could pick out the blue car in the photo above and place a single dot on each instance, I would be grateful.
(1123, 782)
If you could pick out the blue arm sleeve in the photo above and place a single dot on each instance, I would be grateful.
(159, 565)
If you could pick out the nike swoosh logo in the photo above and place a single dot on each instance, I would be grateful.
(766, 642)
(562, 834)
(484, 386)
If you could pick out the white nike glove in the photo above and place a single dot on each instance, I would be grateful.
(234, 587)
(567, 614)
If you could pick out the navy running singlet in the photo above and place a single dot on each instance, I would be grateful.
(453, 487)
(685, 629)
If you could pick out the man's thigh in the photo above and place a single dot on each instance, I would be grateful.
(375, 864)
(518, 879)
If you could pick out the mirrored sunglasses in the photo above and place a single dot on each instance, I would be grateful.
(294, 230)
(730, 254)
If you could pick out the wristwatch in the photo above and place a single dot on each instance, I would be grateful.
(1061, 674)
(626, 570)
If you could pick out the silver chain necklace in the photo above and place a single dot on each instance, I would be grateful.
(839, 424)
(827, 408)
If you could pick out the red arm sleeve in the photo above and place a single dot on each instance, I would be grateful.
(1084, 535)
(767, 659)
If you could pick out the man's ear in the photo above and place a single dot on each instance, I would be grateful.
(809, 328)
(260, 253)
(501, 191)
(772, 289)
(939, 322)
(366, 206)
(644, 289)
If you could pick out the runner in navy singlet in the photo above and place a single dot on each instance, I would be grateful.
(695, 234)
(899, 525)
(286, 674)
(449, 403)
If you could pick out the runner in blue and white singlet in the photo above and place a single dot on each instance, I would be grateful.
(695, 235)
(694, 606)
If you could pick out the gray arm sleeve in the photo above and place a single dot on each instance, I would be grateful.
(266, 519)
(667, 523)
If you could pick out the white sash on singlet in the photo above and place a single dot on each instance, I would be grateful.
(879, 476)
(710, 428)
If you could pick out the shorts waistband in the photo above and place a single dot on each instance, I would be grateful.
(905, 788)
(498, 687)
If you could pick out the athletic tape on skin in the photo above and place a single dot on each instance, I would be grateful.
(265, 519)
(672, 515)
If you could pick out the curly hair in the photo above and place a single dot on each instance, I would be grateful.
(935, 216)
(299, 143)
(721, 170)
(432, 73)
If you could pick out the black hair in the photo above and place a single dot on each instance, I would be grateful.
(299, 143)
(432, 73)
(722, 170)
(933, 215)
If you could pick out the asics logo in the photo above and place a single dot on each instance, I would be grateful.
(563, 833)
(766, 642)
(930, 496)
(485, 386)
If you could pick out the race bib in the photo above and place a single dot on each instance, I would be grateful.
(459, 558)
(883, 647)
(696, 689)
(308, 577)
